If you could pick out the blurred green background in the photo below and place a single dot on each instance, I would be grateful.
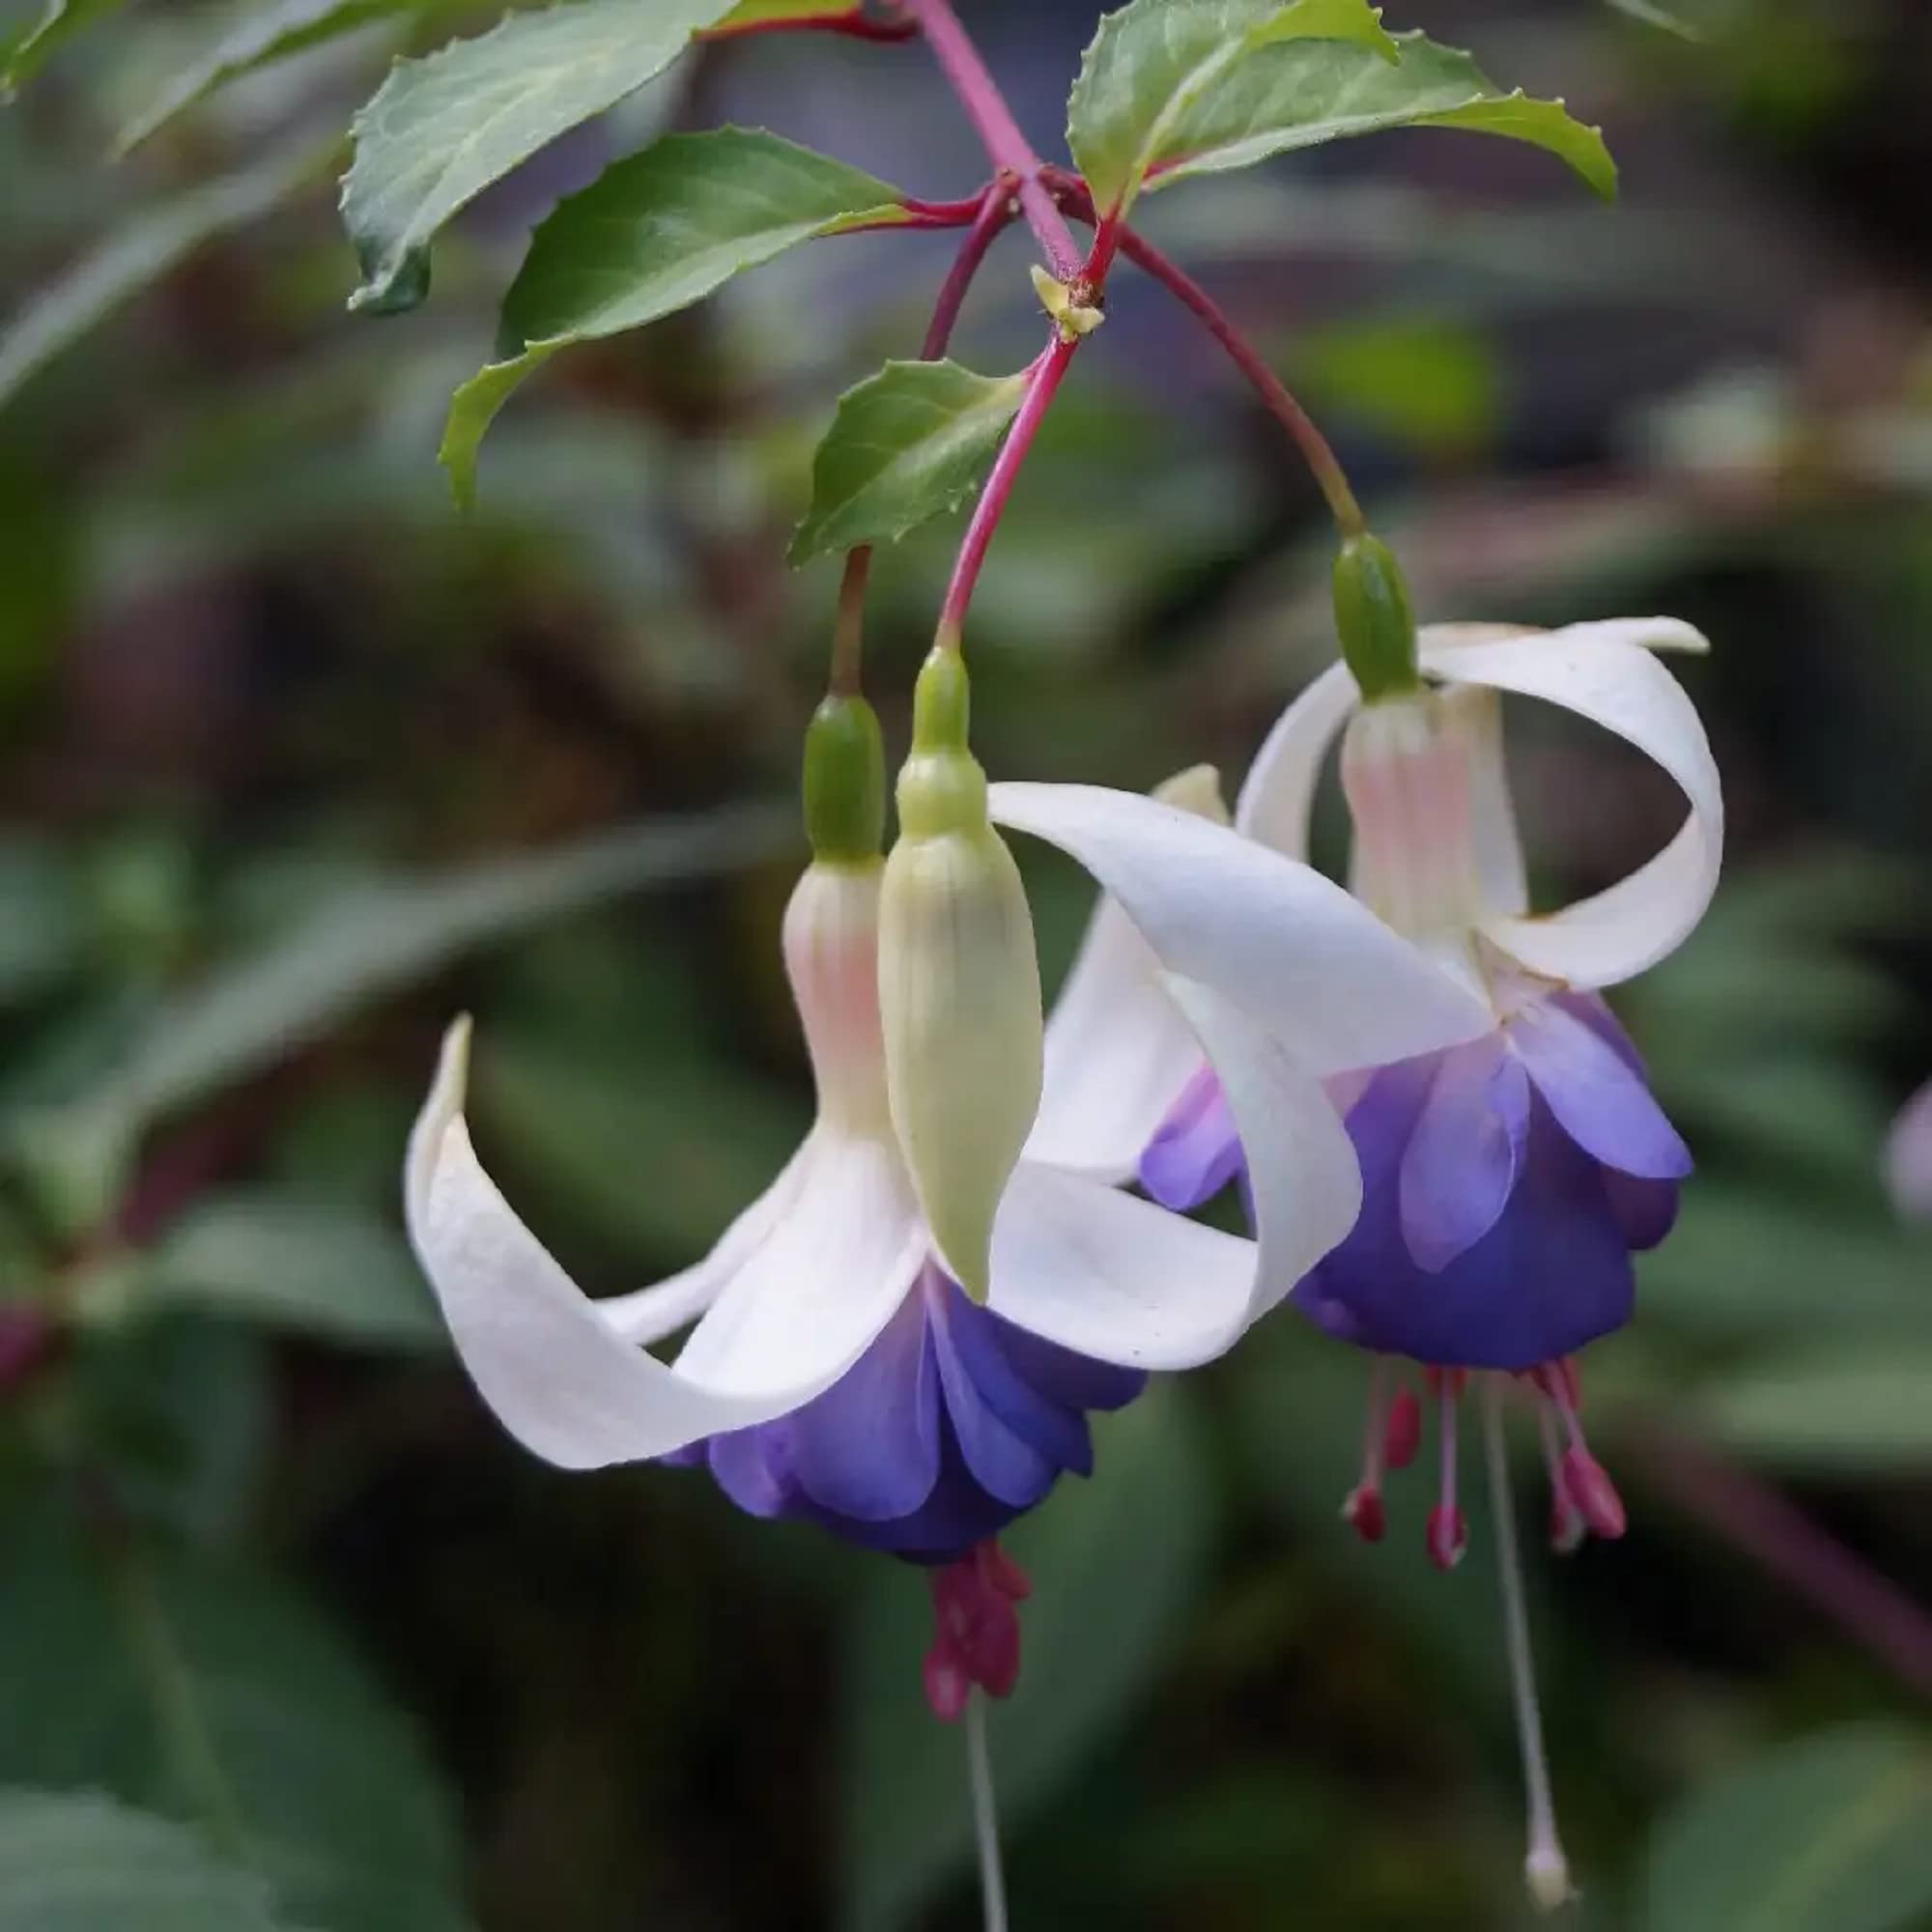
(297, 763)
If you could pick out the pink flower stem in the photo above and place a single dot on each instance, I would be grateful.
(854, 22)
(992, 212)
(1043, 381)
(1072, 195)
(1767, 1526)
(1009, 149)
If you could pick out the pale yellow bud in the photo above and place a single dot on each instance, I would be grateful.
(958, 985)
(1197, 789)
(959, 998)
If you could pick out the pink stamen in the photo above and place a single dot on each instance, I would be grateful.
(1364, 1513)
(1402, 1438)
(1587, 1485)
(1448, 1533)
(1362, 1510)
(975, 1629)
(1567, 1526)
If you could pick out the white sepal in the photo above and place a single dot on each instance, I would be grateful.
(1117, 1052)
(811, 1284)
(1605, 673)
(1293, 950)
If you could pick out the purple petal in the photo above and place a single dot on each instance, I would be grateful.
(1464, 1153)
(743, 1464)
(1646, 1210)
(1029, 1409)
(1196, 1150)
(1603, 1105)
(1002, 1461)
(868, 1447)
(1552, 1274)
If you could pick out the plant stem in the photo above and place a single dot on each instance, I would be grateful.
(1275, 393)
(848, 627)
(1043, 380)
(1764, 1523)
(985, 1820)
(1010, 151)
(992, 213)
(854, 22)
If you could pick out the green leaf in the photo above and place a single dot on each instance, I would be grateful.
(911, 443)
(78, 1863)
(1832, 1830)
(441, 130)
(253, 38)
(27, 52)
(652, 235)
(1155, 67)
(1116, 1568)
(199, 1690)
(349, 949)
(1283, 99)
(1848, 1407)
(287, 1262)
(151, 243)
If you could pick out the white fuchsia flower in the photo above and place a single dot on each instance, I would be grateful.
(837, 1371)
(1507, 1179)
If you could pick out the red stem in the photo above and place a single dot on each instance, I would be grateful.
(994, 212)
(1009, 148)
(853, 22)
(1072, 193)
(994, 209)
(1765, 1525)
(1043, 379)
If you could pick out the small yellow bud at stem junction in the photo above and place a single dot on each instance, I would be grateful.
(958, 984)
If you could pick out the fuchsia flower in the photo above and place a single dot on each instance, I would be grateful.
(1507, 1179)
(837, 1370)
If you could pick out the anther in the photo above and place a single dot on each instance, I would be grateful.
(1587, 1485)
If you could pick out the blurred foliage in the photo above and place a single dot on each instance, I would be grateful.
(273, 717)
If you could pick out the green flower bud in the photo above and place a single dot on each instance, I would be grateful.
(958, 984)
(1374, 619)
(844, 782)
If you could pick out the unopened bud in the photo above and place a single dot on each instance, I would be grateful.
(958, 984)
(844, 780)
(1374, 619)
(1197, 789)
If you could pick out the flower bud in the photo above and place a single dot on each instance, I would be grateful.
(844, 780)
(958, 984)
(1374, 619)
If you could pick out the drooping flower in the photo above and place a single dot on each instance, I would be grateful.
(1507, 1179)
(836, 1369)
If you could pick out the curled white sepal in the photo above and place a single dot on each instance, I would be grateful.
(810, 1285)
(1118, 1051)
(1278, 793)
(1305, 962)
(1606, 672)
(1304, 1183)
